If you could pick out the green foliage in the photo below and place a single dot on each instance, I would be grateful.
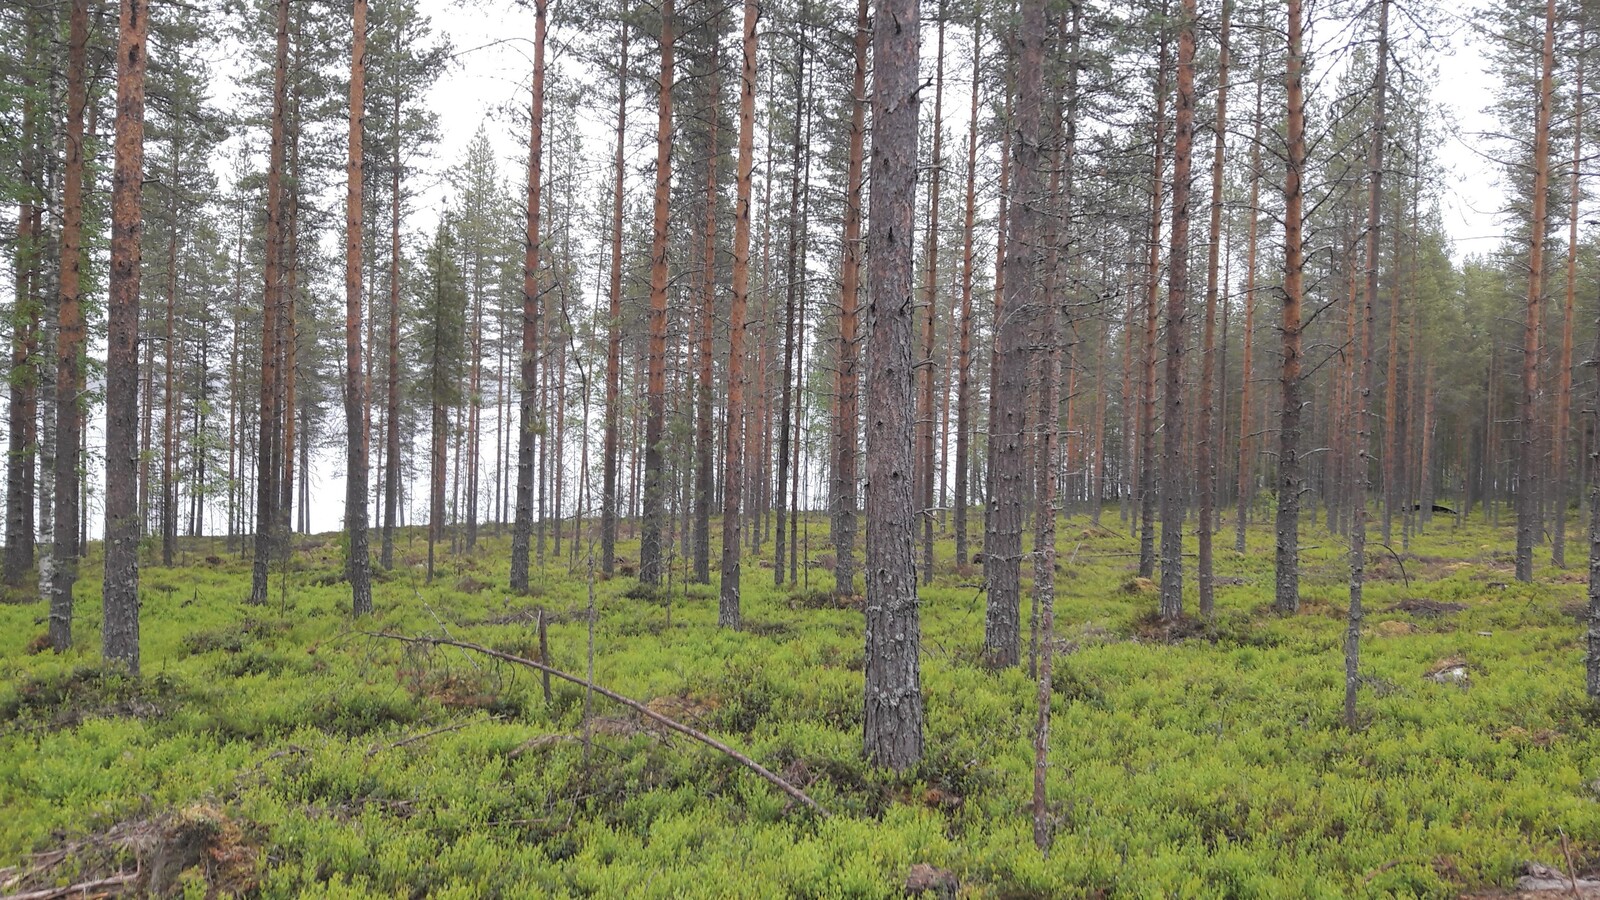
(1204, 761)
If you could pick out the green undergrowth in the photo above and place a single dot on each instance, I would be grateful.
(1198, 759)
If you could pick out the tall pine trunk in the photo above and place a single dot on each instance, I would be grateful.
(70, 336)
(1206, 440)
(652, 549)
(1247, 350)
(359, 564)
(1558, 448)
(846, 430)
(964, 323)
(271, 411)
(786, 411)
(1174, 501)
(120, 631)
(703, 430)
(609, 448)
(1528, 462)
(1147, 360)
(1363, 362)
(737, 423)
(1002, 561)
(930, 301)
(391, 469)
(527, 414)
(1287, 553)
(894, 709)
(23, 379)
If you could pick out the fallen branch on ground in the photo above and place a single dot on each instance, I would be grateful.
(81, 888)
(634, 705)
(379, 748)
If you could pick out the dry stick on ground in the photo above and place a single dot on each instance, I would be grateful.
(81, 889)
(379, 748)
(634, 705)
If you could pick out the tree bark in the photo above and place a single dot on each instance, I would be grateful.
(23, 378)
(1173, 500)
(391, 471)
(651, 547)
(1002, 559)
(1528, 427)
(894, 712)
(70, 336)
(1563, 424)
(930, 301)
(1147, 388)
(270, 411)
(355, 404)
(1363, 360)
(703, 430)
(733, 460)
(1206, 440)
(964, 324)
(847, 428)
(1247, 376)
(1287, 553)
(608, 496)
(121, 587)
(786, 412)
(528, 413)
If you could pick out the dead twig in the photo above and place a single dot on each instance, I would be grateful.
(615, 697)
(81, 888)
(379, 748)
(1398, 561)
(1572, 870)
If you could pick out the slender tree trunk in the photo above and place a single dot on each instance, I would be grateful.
(23, 378)
(1592, 634)
(1173, 500)
(1528, 427)
(786, 414)
(355, 404)
(1147, 388)
(997, 295)
(1044, 543)
(1002, 559)
(847, 429)
(651, 548)
(1394, 392)
(70, 336)
(1558, 462)
(1206, 440)
(121, 586)
(527, 425)
(391, 470)
(1247, 351)
(703, 428)
(170, 350)
(930, 302)
(964, 326)
(608, 496)
(1287, 560)
(894, 711)
(270, 414)
(733, 462)
(1363, 360)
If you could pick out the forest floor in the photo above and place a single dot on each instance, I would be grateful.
(275, 751)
